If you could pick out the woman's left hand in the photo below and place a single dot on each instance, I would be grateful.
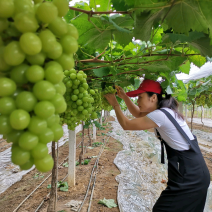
(111, 98)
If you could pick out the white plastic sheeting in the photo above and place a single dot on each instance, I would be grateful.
(10, 173)
(141, 171)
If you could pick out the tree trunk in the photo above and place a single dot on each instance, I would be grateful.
(202, 114)
(53, 194)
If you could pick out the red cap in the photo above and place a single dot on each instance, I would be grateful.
(146, 86)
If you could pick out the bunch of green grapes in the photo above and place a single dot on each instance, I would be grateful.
(36, 45)
(105, 104)
(209, 101)
(78, 99)
(97, 104)
(201, 100)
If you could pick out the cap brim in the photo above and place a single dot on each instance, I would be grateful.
(135, 93)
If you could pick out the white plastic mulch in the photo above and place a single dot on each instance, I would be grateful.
(142, 174)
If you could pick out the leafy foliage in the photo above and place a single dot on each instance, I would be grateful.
(172, 34)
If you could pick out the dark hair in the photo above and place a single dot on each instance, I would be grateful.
(167, 101)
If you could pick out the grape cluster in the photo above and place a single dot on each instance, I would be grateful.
(97, 104)
(105, 103)
(201, 100)
(209, 101)
(36, 45)
(78, 99)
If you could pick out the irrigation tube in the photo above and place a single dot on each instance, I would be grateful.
(95, 166)
(40, 184)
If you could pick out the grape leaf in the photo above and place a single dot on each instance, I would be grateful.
(185, 68)
(203, 46)
(100, 72)
(184, 38)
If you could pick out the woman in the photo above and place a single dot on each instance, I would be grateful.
(188, 175)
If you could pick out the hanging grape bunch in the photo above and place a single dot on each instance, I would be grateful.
(97, 104)
(78, 99)
(36, 45)
(105, 103)
(201, 100)
(209, 101)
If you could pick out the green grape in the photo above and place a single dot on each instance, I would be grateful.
(44, 109)
(5, 126)
(17, 74)
(14, 136)
(45, 164)
(56, 51)
(66, 61)
(3, 24)
(66, 72)
(44, 90)
(57, 130)
(59, 103)
(37, 125)
(62, 7)
(7, 86)
(37, 1)
(72, 30)
(35, 73)
(19, 155)
(40, 151)
(22, 6)
(58, 26)
(73, 76)
(30, 43)
(26, 22)
(13, 54)
(48, 40)
(28, 140)
(19, 119)
(60, 88)
(47, 12)
(37, 59)
(27, 165)
(7, 105)
(69, 44)
(6, 8)
(47, 136)
(54, 74)
(26, 101)
(51, 120)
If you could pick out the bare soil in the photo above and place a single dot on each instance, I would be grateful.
(105, 187)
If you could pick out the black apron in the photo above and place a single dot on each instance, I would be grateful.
(188, 177)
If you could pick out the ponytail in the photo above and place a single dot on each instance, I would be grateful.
(168, 101)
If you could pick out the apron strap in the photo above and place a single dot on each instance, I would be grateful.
(170, 117)
(162, 146)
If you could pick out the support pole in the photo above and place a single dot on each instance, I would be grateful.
(101, 118)
(72, 158)
(94, 132)
(186, 113)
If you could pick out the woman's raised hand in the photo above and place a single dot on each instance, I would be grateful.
(120, 92)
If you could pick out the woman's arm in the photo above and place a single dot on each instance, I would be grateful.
(142, 123)
(134, 109)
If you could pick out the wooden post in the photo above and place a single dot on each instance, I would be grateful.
(72, 158)
(101, 118)
(53, 193)
(94, 132)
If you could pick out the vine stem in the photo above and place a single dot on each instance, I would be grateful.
(93, 13)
